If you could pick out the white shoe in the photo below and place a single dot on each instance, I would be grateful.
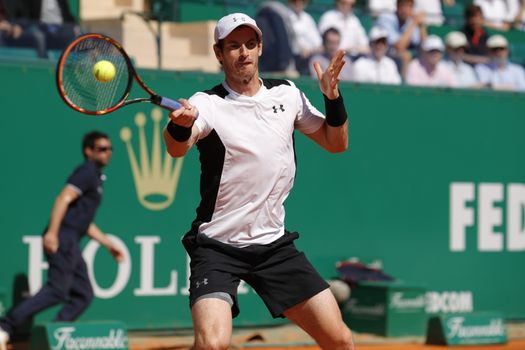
(4, 338)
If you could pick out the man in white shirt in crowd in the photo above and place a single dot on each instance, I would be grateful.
(432, 10)
(517, 13)
(499, 73)
(406, 31)
(331, 43)
(342, 18)
(428, 69)
(376, 67)
(306, 39)
(456, 43)
(496, 13)
(379, 7)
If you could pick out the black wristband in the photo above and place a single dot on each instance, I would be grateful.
(179, 133)
(335, 111)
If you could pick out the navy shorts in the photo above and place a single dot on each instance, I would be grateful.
(280, 274)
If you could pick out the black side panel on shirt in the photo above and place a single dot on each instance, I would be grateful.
(270, 83)
(212, 153)
(218, 90)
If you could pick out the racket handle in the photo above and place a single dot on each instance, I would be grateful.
(167, 103)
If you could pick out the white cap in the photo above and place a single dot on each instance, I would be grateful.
(433, 42)
(456, 39)
(497, 40)
(377, 33)
(229, 23)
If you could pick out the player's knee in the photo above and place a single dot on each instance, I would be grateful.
(343, 340)
(212, 343)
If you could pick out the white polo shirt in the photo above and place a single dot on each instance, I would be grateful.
(248, 160)
(369, 70)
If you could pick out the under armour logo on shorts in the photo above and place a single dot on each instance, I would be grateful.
(203, 282)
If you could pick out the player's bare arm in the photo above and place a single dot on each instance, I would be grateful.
(62, 202)
(333, 134)
(95, 233)
(181, 133)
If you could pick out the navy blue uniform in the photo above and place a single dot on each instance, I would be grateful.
(68, 280)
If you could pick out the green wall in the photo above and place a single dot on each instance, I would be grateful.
(387, 198)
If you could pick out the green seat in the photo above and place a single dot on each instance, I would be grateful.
(18, 52)
(454, 14)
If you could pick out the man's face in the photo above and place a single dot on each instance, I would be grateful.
(331, 44)
(405, 10)
(345, 6)
(476, 21)
(379, 47)
(297, 5)
(100, 153)
(240, 54)
(456, 53)
(433, 57)
(500, 54)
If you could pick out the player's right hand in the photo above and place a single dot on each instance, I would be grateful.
(50, 243)
(186, 115)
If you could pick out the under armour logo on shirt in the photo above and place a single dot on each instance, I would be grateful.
(280, 107)
(203, 282)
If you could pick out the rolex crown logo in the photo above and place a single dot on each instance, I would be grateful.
(155, 176)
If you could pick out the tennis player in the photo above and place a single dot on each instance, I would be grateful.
(243, 129)
(71, 219)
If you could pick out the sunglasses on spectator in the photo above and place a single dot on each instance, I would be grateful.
(380, 40)
(498, 48)
(103, 149)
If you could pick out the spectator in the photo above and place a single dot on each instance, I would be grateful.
(428, 69)
(277, 53)
(379, 7)
(517, 13)
(456, 42)
(306, 39)
(406, 30)
(499, 73)
(476, 51)
(376, 67)
(17, 34)
(353, 35)
(496, 13)
(432, 10)
(331, 43)
(53, 18)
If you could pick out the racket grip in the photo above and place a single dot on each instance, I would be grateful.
(167, 103)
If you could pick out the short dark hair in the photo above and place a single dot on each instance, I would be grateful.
(472, 10)
(330, 30)
(90, 138)
(400, 2)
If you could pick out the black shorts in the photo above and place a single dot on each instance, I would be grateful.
(281, 275)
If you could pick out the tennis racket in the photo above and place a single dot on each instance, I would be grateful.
(82, 91)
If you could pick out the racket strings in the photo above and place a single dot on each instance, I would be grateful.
(80, 85)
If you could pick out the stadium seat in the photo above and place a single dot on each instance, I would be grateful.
(18, 52)
(454, 14)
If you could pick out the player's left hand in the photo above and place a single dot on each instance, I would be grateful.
(329, 79)
(50, 243)
(116, 253)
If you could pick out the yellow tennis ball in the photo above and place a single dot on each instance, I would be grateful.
(104, 71)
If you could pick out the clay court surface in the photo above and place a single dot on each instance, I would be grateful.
(289, 337)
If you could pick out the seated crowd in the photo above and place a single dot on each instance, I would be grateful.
(42, 25)
(398, 48)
